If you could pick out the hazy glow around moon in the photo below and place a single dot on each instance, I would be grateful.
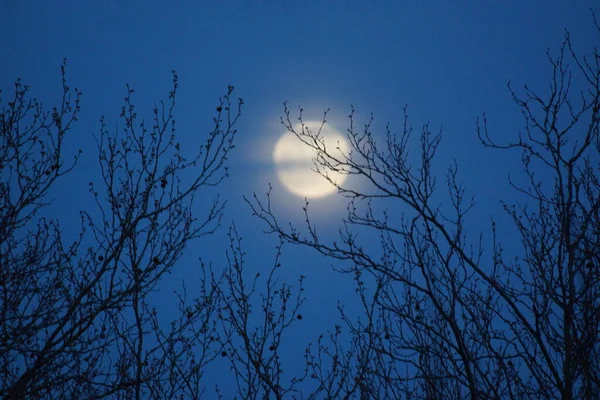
(294, 161)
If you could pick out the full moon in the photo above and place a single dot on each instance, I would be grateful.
(294, 161)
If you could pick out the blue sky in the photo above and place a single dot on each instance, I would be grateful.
(449, 61)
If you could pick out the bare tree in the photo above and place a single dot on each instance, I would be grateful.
(447, 314)
(75, 318)
(253, 325)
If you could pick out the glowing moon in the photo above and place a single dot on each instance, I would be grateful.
(294, 161)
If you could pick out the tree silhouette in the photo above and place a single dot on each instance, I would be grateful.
(442, 317)
(75, 321)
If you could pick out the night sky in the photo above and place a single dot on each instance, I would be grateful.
(447, 61)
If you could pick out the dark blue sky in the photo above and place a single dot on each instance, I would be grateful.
(449, 61)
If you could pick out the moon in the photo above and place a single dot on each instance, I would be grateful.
(294, 161)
